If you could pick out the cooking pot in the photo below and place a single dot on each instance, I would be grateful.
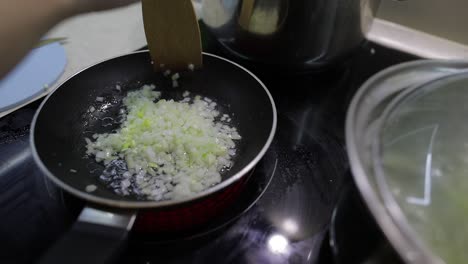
(297, 35)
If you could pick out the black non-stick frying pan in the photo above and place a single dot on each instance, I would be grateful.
(64, 120)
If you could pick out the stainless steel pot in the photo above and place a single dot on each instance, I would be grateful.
(297, 34)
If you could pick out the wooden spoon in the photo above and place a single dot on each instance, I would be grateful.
(173, 35)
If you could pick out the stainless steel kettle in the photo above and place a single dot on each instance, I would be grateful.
(294, 34)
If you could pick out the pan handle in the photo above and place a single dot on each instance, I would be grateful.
(97, 237)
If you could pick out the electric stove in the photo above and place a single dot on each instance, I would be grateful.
(300, 204)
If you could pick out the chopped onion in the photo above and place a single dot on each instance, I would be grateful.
(176, 76)
(100, 99)
(125, 183)
(171, 149)
(91, 188)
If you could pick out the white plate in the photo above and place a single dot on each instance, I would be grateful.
(33, 76)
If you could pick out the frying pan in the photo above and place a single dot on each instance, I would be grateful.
(63, 121)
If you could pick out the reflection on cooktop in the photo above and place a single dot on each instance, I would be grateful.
(355, 237)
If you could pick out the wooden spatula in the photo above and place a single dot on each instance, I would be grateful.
(172, 33)
(246, 13)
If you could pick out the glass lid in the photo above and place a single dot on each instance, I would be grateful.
(420, 161)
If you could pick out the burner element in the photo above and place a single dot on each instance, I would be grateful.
(355, 237)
